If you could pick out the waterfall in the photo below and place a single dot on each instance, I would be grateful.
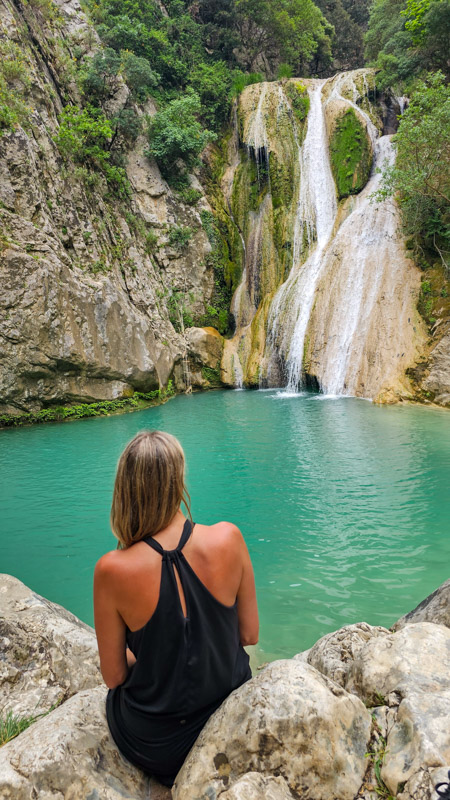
(327, 290)
(315, 216)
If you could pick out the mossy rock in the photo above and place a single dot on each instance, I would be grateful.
(351, 154)
(281, 182)
(299, 99)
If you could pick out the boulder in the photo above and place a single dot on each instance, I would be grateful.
(419, 739)
(333, 655)
(48, 654)
(254, 786)
(204, 349)
(289, 721)
(205, 345)
(435, 608)
(70, 755)
(415, 659)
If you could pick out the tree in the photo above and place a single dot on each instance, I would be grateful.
(139, 75)
(421, 175)
(212, 83)
(99, 80)
(175, 133)
(288, 30)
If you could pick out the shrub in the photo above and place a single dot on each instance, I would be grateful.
(284, 71)
(179, 236)
(175, 133)
(212, 82)
(99, 79)
(139, 75)
(299, 97)
(85, 136)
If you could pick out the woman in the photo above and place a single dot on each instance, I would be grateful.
(174, 606)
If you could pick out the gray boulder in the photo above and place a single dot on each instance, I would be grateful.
(70, 754)
(435, 608)
(48, 654)
(289, 721)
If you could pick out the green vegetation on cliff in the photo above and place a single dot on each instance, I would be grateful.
(421, 174)
(351, 155)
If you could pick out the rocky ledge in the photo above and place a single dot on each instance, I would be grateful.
(363, 714)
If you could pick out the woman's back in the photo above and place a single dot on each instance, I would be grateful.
(188, 659)
(173, 608)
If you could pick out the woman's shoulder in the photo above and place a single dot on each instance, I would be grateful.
(220, 534)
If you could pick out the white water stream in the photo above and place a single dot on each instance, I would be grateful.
(316, 213)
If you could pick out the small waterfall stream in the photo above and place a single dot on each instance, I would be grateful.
(316, 213)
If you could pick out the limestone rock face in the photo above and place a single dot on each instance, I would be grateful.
(438, 378)
(289, 720)
(86, 277)
(205, 348)
(435, 608)
(48, 654)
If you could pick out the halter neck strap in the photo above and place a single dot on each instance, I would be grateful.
(185, 534)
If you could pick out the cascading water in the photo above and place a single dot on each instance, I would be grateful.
(327, 293)
(316, 213)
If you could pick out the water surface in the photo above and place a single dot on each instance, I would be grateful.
(344, 505)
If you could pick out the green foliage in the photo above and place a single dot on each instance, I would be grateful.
(189, 195)
(175, 133)
(289, 29)
(421, 174)
(350, 154)
(179, 315)
(346, 37)
(151, 241)
(377, 758)
(212, 83)
(242, 79)
(85, 136)
(225, 280)
(127, 126)
(139, 75)
(212, 376)
(14, 82)
(179, 236)
(299, 99)
(98, 78)
(12, 724)
(406, 39)
(284, 72)
(82, 410)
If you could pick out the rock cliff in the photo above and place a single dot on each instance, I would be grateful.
(91, 282)
(364, 714)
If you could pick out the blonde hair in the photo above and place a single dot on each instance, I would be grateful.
(149, 487)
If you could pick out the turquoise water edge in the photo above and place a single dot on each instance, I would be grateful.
(345, 505)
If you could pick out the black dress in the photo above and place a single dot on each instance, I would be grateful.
(185, 668)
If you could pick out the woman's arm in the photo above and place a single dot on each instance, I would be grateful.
(246, 599)
(109, 625)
